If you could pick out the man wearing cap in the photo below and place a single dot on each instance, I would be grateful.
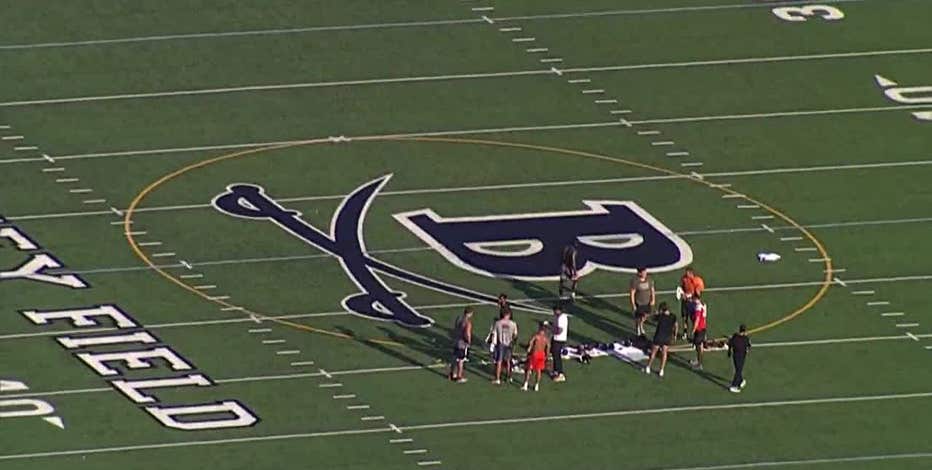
(738, 348)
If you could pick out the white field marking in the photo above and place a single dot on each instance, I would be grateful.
(137, 233)
(47, 158)
(273, 341)
(259, 330)
(787, 285)
(404, 440)
(537, 50)
(620, 111)
(893, 314)
(660, 143)
(510, 29)
(287, 352)
(206, 287)
(25, 148)
(80, 191)
(487, 19)
(301, 363)
(186, 264)
(414, 451)
(67, 180)
(325, 373)
(696, 175)
(372, 418)
(394, 25)
(4, 127)
(12, 137)
(912, 336)
(723, 185)
(593, 91)
(677, 154)
(94, 201)
(483, 8)
(878, 303)
(524, 39)
(762, 217)
(928, 347)
(116, 211)
(840, 282)
(907, 325)
(732, 195)
(790, 239)
(809, 462)
(819, 260)
(231, 309)
(120, 222)
(805, 248)
(348, 396)
(219, 297)
(813, 112)
(609, 101)
(579, 80)
(690, 164)
(394, 428)
(191, 276)
(863, 292)
(429, 463)
(556, 71)
(150, 244)
(164, 254)
(305, 375)
(551, 60)
(53, 169)
(767, 228)
(358, 407)
(748, 206)
(650, 132)
(255, 318)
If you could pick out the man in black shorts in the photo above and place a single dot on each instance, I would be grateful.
(663, 337)
(462, 337)
(642, 298)
(738, 348)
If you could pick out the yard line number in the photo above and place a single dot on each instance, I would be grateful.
(805, 12)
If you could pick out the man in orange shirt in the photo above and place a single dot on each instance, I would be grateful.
(691, 284)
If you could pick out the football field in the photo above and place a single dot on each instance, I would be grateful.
(204, 205)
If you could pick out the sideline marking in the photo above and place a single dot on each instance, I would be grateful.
(782, 463)
(825, 260)
(477, 423)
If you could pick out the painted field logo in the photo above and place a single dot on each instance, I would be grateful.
(612, 235)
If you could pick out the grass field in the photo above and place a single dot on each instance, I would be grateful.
(744, 126)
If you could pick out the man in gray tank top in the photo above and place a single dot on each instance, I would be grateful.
(504, 334)
(462, 337)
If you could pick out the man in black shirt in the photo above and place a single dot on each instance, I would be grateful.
(663, 337)
(738, 348)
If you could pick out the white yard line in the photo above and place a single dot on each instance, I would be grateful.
(786, 463)
(387, 25)
(780, 114)
(511, 186)
(382, 370)
(481, 423)
(787, 285)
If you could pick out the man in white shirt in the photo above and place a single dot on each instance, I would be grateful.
(559, 328)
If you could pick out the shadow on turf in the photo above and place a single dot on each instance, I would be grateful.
(429, 347)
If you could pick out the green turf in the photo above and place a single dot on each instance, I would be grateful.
(841, 385)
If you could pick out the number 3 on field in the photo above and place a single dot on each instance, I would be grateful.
(803, 13)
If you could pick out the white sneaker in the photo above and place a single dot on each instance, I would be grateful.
(524, 387)
(734, 389)
(496, 382)
(560, 378)
(661, 372)
(743, 383)
(536, 387)
(647, 370)
(573, 295)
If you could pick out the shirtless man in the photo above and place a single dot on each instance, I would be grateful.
(537, 352)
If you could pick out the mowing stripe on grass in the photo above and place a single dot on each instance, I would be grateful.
(391, 25)
(478, 423)
(784, 463)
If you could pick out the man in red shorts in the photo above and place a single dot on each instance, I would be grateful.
(537, 352)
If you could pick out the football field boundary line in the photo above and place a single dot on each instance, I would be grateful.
(398, 24)
(781, 114)
(418, 249)
(784, 463)
(391, 369)
(511, 186)
(455, 77)
(478, 423)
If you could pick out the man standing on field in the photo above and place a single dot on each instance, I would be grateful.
(504, 333)
(462, 337)
(700, 315)
(663, 337)
(642, 298)
(537, 352)
(691, 284)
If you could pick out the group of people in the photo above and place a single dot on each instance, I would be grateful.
(547, 341)
(550, 336)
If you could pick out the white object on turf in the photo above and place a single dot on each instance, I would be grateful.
(647, 370)
(661, 372)
(765, 257)
(680, 293)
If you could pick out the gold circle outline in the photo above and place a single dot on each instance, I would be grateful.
(826, 282)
